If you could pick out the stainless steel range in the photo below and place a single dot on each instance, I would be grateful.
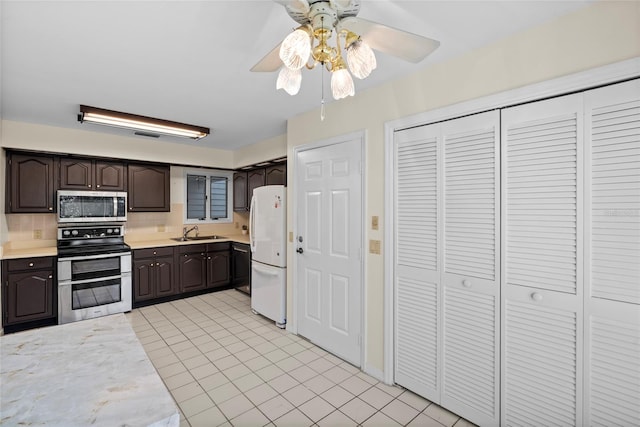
(94, 272)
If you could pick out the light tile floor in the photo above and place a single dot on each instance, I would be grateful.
(226, 366)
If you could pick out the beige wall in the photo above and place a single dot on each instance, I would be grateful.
(269, 149)
(602, 33)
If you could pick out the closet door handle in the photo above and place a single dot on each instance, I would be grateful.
(466, 283)
(537, 297)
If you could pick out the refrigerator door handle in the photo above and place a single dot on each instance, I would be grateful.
(264, 271)
(252, 224)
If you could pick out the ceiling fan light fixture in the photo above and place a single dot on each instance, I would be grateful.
(360, 57)
(341, 82)
(296, 48)
(289, 80)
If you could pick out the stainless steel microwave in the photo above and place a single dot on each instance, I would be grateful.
(92, 206)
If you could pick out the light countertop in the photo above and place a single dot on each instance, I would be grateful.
(93, 372)
(30, 252)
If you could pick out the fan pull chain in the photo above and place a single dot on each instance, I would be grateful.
(322, 77)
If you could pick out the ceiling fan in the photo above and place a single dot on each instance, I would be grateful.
(308, 45)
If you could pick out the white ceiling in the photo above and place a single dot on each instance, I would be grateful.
(189, 61)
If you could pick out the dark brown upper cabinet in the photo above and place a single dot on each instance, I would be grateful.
(240, 191)
(255, 179)
(276, 175)
(87, 174)
(149, 188)
(31, 184)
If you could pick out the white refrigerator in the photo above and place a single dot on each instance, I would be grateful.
(268, 238)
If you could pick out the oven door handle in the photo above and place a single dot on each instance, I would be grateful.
(95, 279)
(90, 257)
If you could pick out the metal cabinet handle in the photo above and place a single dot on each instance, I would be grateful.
(50, 208)
(30, 264)
(89, 185)
(154, 252)
(157, 263)
(98, 186)
(50, 276)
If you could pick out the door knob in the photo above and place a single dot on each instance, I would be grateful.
(300, 250)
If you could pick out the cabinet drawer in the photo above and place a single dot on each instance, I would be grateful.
(152, 252)
(223, 246)
(190, 249)
(29, 263)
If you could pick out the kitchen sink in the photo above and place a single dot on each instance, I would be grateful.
(190, 238)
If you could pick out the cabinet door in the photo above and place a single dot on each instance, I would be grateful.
(240, 191)
(32, 188)
(612, 254)
(29, 296)
(276, 175)
(149, 189)
(218, 271)
(143, 286)
(164, 277)
(471, 249)
(255, 179)
(76, 174)
(109, 176)
(193, 271)
(542, 262)
(417, 270)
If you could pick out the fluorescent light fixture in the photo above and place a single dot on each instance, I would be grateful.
(142, 123)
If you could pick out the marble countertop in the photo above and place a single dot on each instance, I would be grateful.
(93, 372)
(13, 253)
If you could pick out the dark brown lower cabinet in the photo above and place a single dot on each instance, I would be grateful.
(218, 265)
(29, 290)
(153, 273)
(192, 268)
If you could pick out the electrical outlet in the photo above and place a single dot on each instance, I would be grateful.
(37, 234)
(374, 246)
(237, 225)
(374, 222)
(162, 228)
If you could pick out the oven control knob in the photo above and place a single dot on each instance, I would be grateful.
(109, 231)
(116, 231)
(102, 234)
(66, 233)
(86, 236)
(74, 233)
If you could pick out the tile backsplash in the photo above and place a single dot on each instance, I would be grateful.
(26, 230)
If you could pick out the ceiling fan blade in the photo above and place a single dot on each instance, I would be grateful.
(271, 61)
(402, 44)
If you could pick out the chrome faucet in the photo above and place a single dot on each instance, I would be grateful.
(185, 231)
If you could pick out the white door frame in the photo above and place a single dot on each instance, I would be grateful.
(583, 80)
(294, 205)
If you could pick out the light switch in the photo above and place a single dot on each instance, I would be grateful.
(374, 222)
(374, 246)
(291, 236)
(37, 234)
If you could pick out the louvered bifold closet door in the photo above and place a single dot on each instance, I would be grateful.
(612, 282)
(416, 260)
(542, 263)
(471, 286)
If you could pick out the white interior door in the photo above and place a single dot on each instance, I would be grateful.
(328, 282)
